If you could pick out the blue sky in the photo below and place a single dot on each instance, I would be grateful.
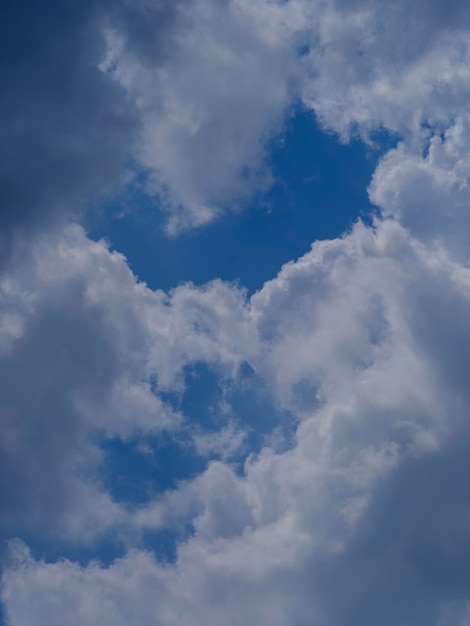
(234, 313)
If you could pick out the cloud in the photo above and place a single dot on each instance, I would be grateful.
(209, 109)
(66, 128)
(396, 67)
(343, 525)
(428, 190)
(86, 349)
(195, 91)
(364, 340)
(90, 90)
(360, 67)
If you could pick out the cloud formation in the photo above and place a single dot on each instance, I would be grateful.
(341, 527)
(365, 340)
(65, 126)
(210, 108)
(90, 344)
(195, 91)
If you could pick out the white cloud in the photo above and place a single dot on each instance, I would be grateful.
(209, 108)
(365, 340)
(86, 350)
(393, 66)
(340, 524)
(429, 193)
(201, 87)
(233, 70)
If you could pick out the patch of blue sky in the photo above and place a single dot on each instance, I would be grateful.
(211, 405)
(50, 548)
(320, 190)
(135, 471)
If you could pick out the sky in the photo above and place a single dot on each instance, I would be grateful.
(235, 313)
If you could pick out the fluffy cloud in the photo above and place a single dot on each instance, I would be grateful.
(209, 108)
(231, 73)
(364, 340)
(396, 67)
(185, 88)
(428, 190)
(342, 527)
(84, 349)
(194, 91)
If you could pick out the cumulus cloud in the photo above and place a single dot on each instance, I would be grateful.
(373, 66)
(364, 340)
(342, 527)
(191, 90)
(85, 349)
(209, 109)
(428, 190)
(231, 72)
(194, 91)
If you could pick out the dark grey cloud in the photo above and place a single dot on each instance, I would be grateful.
(148, 26)
(410, 556)
(64, 353)
(66, 126)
